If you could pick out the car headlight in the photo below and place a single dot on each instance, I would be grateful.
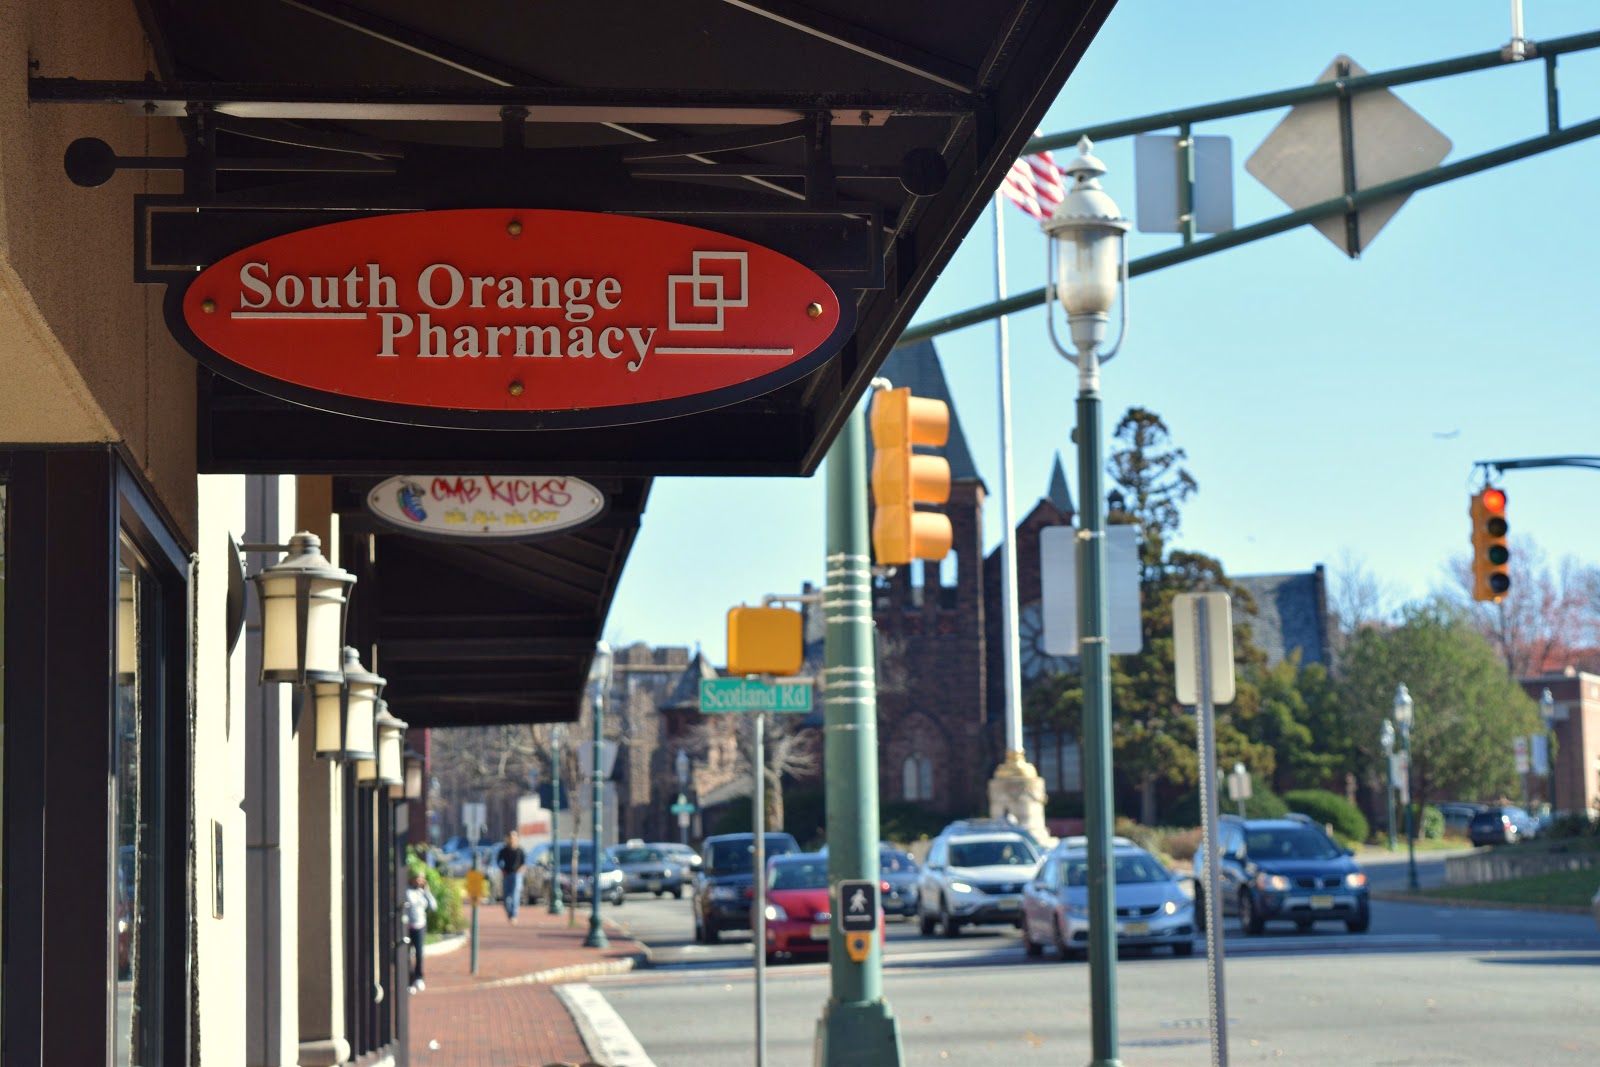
(1355, 880)
(724, 892)
(961, 887)
(776, 914)
(1171, 907)
(1277, 883)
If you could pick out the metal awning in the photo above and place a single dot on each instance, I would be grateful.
(861, 138)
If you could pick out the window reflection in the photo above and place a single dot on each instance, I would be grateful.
(136, 858)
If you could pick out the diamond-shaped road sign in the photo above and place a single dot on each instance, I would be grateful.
(1301, 159)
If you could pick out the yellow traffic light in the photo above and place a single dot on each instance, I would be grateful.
(1491, 558)
(765, 641)
(901, 479)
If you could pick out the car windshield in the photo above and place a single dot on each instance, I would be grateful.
(638, 855)
(735, 856)
(1001, 853)
(1290, 844)
(1137, 867)
(892, 861)
(585, 854)
(806, 874)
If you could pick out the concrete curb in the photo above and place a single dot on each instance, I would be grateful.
(448, 943)
(1482, 905)
(602, 1030)
(570, 973)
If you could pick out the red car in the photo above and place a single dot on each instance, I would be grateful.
(799, 914)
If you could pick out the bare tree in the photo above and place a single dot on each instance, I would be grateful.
(790, 750)
(1358, 597)
(1547, 621)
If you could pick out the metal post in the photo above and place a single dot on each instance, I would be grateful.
(857, 1028)
(1011, 659)
(474, 935)
(1388, 791)
(597, 934)
(758, 868)
(1205, 712)
(1093, 622)
(555, 822)
(1411, 830)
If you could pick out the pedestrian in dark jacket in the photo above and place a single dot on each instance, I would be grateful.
(510, 861)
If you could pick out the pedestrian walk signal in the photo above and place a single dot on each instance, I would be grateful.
(1491, 558)
(902, 479)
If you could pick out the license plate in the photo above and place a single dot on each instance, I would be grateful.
(1322, 902)
(652, 885)
(1008, 905)
(819, 932)
(1136, 929)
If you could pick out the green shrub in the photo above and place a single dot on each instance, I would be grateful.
(1170, 845)
(1572, 824)
(1429, 822)
(1263, 804)
(1330, 809)
(446, 918)
(905, 821)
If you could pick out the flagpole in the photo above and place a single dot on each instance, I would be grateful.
(1016, 788)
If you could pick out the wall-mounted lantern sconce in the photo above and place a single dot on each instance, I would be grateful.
(346, 710)
(304, 603)
(386, 768)
(412, 790)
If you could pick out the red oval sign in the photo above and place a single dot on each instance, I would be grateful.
(491, 317)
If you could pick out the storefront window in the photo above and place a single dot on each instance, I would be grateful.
(136, 860)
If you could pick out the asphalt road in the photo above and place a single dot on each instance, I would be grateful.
(1426, 985)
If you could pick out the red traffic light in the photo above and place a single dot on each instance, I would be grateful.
(1494, 501)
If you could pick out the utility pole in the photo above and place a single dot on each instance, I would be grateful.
(857, 1028)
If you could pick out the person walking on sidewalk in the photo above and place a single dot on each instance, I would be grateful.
(419, 901)
(510, 860)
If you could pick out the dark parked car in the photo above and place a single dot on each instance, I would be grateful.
(899, 872)
(725, 886)
(648, 870)
(1502, 826)
(1458, 816)
(1284, 869)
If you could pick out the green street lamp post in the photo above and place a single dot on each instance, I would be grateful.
(555, 907)
(1088, 238)
(600, 676)
(1386, 739)
(1403, 710)
(1547, 711)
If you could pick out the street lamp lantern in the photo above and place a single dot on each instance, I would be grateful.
(1088, 250)
(304, 602)
(1403, 709)
(682, 766)
(346, 712)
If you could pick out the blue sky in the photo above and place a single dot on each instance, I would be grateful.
(1308, 389)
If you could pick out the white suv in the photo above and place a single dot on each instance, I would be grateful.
(974, 876)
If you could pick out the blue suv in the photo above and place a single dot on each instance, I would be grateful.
(1284, 869)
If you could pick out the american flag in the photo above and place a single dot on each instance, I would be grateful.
(1035, 185)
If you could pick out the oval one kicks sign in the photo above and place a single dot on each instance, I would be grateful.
(485, 507)
(514, 319)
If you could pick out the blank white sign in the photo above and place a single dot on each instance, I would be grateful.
(1186, 646)
(1058, 578)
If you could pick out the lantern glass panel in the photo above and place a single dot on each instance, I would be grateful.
(329, 739)
(324, 626)
(366, 771)
(279, 650)
(389, 765)
(1087, 265)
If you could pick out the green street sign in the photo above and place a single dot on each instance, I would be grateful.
(750, 694)
(684, 808)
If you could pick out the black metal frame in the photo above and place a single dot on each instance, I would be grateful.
(66, 510)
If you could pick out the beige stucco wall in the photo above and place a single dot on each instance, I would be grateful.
(219, 782)
(84, 353)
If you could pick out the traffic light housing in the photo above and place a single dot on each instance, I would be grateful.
(1491, 558)
(765, 640)
(901, 479)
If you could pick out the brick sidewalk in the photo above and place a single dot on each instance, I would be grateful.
(508, 1015)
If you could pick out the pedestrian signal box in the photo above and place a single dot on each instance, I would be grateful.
(1491, 557)
(902, 479)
